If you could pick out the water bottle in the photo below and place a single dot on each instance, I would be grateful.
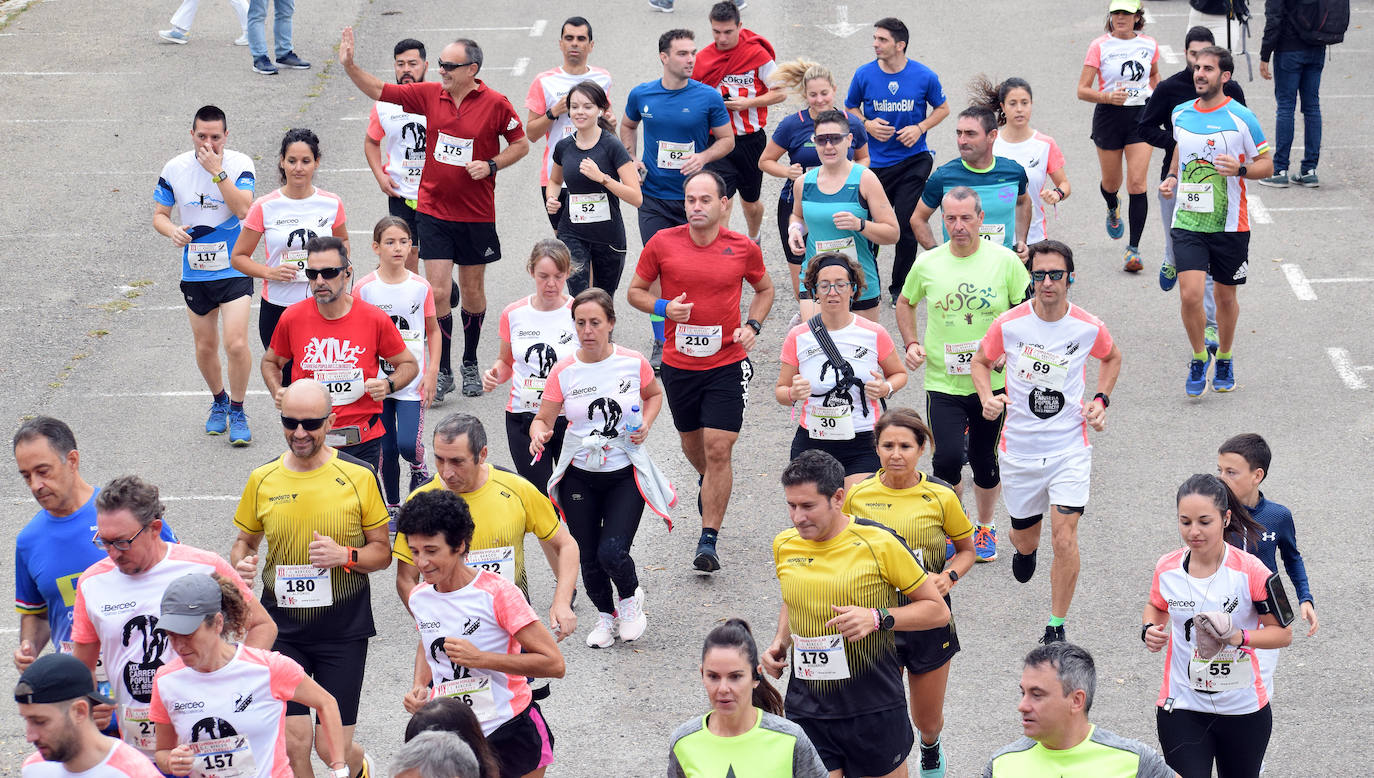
(633, 420)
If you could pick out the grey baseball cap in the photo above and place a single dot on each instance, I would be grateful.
(186, 603)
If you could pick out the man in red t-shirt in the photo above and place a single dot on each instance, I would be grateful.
(337, 340)
(706, 370)
(456, 211)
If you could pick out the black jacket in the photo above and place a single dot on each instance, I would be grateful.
(1157, 120)
(1279, 33)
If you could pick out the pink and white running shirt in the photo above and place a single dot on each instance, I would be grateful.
(407, 304)
(234, 716)
(863, 344)
(487, 613)
(552, 86)
(595, 397)
(1124, 64)
(401, 136)
(1046, 374)
(286, 225)
(123, 761)
(538, 340)
(1041, 157)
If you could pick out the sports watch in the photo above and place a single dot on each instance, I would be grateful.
(953, 575)
(221, 176)
(756, 325)
(885, 620)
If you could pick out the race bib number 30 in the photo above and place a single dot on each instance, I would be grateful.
(208, 256)
(819, 658)
(698, 340)
(499, 560)
(303, 586)
(959, 357)
(1044, 369)
(225, 757)
(829, 422)
(1195, 198)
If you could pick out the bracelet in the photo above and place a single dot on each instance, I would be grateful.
(863, 225)
(1244, 637)
(1062, 196)
(1106, 401)
(661, 307)
(877, 620)
(908, 346)
(798, 226)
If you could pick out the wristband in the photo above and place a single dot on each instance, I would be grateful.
(1244, 638)
(391, 385)
(661, 307)
(908, 346)
(1062, 196)
(1106, 401)
(1143, 629)
(798, 226)
(863, 224)
(877, 620)
(352, 558)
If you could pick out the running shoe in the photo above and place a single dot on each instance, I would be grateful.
(1133, 263)
(707, 560)
(1115, 229)
(290, 60)
(238, 428)
(633, 622)
(1279, 180)
(264, 66)
(1224, 376)
(949, 549)
(740, 5)
(369, 769)
(1168, 276)
(933, 760)
(472, 379)
(1053, 635)
(242, 40)
(1197, 376)
(443, 385)
(656, 357)
(1209, 339)
(391, 512)
(603, 634)
(418, 477)
(985, 542)
(666, 6)
(1023, 566)
(218, 423)
(174, 36)
(1307, 179)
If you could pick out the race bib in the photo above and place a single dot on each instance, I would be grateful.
(819, 658)
(224, 757)
(68, 647)
(303, 586)
(295, 258)
(1137, 92)
(834, 422)
(1196, 198)
(475, 692)
(136, 729)
(997, 233)
(672, 156)
(587, 208)
(208, 256)
(453, 151)
(1044, 369)
(499, 560)
(414, 166)
(1227, 671)
(843, 246)
(959, 357)
(343, 384)
(698, 340)
(531, 392)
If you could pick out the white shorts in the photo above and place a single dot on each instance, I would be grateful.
(1031, 486)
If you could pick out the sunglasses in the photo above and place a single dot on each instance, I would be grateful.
(329, 273)
(122, 545)
(449, 67)
(310, 424)
(829, 140)
(1055, 275)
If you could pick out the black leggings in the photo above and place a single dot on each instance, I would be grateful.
(594, 264)
(785, 221)
(518, 443)
(268, 316)
(904, 182)
(602, 511)
(949, 415)
(1192, 740)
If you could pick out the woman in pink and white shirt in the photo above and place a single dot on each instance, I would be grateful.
(1033, 150)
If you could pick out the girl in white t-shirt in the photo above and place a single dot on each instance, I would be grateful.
(1033, 150)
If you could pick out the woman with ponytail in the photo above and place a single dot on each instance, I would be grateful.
(744, 730)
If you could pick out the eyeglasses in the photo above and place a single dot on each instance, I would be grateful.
(828, 139)
(449, 67)
(121, 545)
(329, 273)
(838, 287)
(310, 424)
(1055, 275)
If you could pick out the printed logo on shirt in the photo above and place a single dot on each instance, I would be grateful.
(564, 338)
(1269, 536)
(205, 202)
(610, 413)
(625, 385)
(436, 652)
(800, 561)
(242, 702)
(512, 124)
(177, 707)
(117, 607)
(211, 728)
(1045, 403)
(416, 132)
(542, 358)
(894, 105)
(892, 87)
(138, 676)
(330, 352)
(1132, 70)
(301, 237)
(283, 498)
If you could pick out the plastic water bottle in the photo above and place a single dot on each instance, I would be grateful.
(633, 420)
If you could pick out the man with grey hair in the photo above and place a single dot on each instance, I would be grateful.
(1057, 685)
(435, 754)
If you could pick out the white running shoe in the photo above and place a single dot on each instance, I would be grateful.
(242, 40)
(603, 634)
(633, 622)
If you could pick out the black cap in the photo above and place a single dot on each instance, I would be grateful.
(57, 678)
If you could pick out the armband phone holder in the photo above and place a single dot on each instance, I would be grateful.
(1276, 601)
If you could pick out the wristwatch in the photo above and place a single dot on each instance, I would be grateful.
(953, 575)
(1241, 171)
(548, 114)
(885, 620)
(1106, 401)
(492, 164)
(757, 325)
(223, 174)
(391, 385)
(1143, 629)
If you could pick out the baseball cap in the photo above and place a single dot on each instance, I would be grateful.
(1129, 6)
(57, 678)
(186, 603)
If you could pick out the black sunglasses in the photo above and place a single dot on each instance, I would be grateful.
(1055, 275)
(329, 273)
(449, 67)
(310, 424)
(829, 140)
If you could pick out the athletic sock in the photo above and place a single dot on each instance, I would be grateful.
(446, 343)
(1139, 209)
(1226, 355)
(472, 332)
(657, 321)
(1200, 356)
(1110, 197)
(223, 396)
(236, 406)
(709, 535)
(1055, 621)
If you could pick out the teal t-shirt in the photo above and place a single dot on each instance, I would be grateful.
(998, 188)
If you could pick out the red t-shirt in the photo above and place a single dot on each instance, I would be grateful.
(455, 135)
(711, 276)
(341, 354)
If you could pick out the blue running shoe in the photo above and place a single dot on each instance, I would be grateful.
(933, 760)
(218, 423)
(666, 6)
(1197, 376)
(1168, 276)
(985, 542)
(1115, 229)
(238, 429)
(1133, 263)
(1209, 337)
(1224, 376)
(949, 550)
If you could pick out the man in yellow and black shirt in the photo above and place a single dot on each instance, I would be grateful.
(837, 575)
(505, 508)
(325, 522)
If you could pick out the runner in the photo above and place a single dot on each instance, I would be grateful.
(185, 16)
(539, 328)
(794, 137)
(56, 699)
(325, 524)
(1058, 681)
(839, 403)
(995, 179)
(479, 638)
(408, 301)
(892, 94)
(437, 753)
(1211, 231)
(212, 188)
(338, 339)
(1034, 151)
(220, 704)
(706, 371)
(1044, 456)
(739, 64)
(549, 113)
(592, 167)
(604, 476)
(285, 221)
(745, 733)
(456, 209)
(681, 118)
(852, 218)
(1220, 605)
(845, 692)
(395, 144)
(927, 515)
(118, 600)
(952, 338)
(506, 508)
(1126, 66)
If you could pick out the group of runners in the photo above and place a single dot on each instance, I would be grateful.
(198, 674)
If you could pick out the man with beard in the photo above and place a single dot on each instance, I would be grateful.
(395, 145)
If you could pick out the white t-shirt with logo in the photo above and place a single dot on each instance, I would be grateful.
(186, 186)
(407, 304)
(1124, 64)
(595, 397)
(1041, 158)
(864, 344)
(402, 139)
(286, 226)
(538, 341)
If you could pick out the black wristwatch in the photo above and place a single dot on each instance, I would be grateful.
(492, 164)
(757, 325)
(548, 114)
(1106, 401)
(1143, 629)
(885, 620)
(1241, 171)
(391, 385)
(953, 575)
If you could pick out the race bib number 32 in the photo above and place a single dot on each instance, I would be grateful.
(959, 357)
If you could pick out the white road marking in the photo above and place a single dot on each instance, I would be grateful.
(1298, 280)
(67, 73)
(1170, 56)
(537, 28)
(197, 393)
(474, 29)
(841, 27)
(163, 497)
(520, 65)
(1258, 213)
(1347, 370)
(1313, 208)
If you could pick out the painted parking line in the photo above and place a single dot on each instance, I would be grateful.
(1258, 213)
(535, 29)
(197, 393)
(1347, 369)
(1302, 285)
